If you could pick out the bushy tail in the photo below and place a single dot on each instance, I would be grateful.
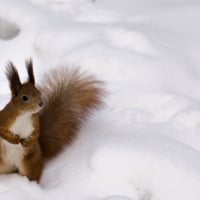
(69, 96)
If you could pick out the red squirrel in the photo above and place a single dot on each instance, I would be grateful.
(38, 122)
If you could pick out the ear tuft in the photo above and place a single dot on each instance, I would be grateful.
(13, 78)
(29, 67)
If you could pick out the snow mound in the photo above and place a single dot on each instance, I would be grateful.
(116, 198)
(8, 30)
(145, 143)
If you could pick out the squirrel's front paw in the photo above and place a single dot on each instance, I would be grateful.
(15, 139)
(26, 142)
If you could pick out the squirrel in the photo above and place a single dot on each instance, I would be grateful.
(39, 122)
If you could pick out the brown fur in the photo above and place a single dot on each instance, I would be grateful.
(30, 163)
(13, 78)
(29, 67)
(68, 96)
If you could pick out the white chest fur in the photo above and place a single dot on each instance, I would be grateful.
(13, 154)
(22, 126)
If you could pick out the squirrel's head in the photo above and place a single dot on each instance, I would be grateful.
(26, 97)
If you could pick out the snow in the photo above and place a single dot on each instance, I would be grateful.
(145, 143)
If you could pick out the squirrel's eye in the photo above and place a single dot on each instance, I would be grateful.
(25, 98)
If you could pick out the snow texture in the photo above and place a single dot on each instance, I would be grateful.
(145, 143)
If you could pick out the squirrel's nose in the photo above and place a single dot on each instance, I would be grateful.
(41, 104)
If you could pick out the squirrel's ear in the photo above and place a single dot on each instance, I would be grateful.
(29, 67)
(13, 78)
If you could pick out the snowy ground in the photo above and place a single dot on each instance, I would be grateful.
(145, 143)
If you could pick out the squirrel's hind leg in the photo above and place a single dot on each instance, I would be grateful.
(32, 166)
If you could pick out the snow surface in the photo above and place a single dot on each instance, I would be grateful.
(145, 143)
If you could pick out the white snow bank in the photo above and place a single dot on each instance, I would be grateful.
(145, 143)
